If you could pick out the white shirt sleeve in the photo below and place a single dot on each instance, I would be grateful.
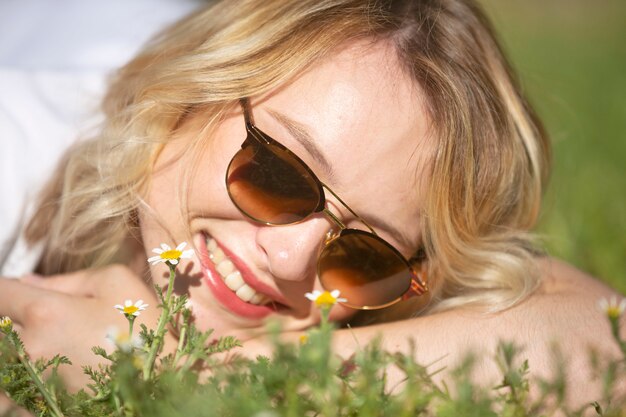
(55, 58)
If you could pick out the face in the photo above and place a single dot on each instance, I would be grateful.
(357, 121)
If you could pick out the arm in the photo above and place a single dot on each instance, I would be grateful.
(8, 408)
(70, 313)
(563, 311)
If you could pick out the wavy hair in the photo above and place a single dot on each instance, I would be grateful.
(487, 174)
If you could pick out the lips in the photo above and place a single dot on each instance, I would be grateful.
(248, 298)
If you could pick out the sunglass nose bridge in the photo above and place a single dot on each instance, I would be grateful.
(334, 219)
(349, 209)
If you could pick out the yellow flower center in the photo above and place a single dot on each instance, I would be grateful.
(138, 362)
(122, 339)
(171, 254)
(613, 312)
(325, 299)
(130, 309)
(5, 323)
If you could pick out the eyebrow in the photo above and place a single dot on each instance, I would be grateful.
(380, 223)
(302, 135)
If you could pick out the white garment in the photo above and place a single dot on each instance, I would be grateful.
(55, 57)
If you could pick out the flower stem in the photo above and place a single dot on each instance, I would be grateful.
(157, 344)
(181, 342)
(325, 313)
(131, 321)
(615, 330)
(34, 376)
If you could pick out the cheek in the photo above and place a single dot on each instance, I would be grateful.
(188, 181)
(341, 313)
(160, 217)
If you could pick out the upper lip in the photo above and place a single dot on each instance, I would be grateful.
(249, 277)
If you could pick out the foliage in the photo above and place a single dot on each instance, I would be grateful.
(298, 380)
(205, 377)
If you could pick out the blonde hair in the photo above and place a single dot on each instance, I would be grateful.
(488, 171)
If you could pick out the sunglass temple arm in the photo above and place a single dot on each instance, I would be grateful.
(247, 114)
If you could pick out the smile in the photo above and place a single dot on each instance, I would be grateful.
(232, 276)
(233, 285)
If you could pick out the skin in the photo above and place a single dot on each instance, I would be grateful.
(366, 116)
(342, 112)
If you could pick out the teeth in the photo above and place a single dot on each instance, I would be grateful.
(245, 292)
(217, 255)
(258, 299)
(225, 267)
(234, 281)
(232, 277)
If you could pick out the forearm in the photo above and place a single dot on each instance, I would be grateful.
(561, 318)
(439, 341)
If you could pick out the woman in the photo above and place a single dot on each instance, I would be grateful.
(400, 119)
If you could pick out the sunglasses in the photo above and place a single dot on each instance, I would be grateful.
(271, 185)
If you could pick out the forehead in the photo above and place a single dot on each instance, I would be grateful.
(365, 115)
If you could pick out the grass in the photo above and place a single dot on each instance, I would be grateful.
(571, 57)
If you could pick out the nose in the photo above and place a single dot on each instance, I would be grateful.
(291, 251)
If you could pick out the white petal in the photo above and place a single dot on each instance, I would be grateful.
(119, 307)
(128, 303)
(157, 261)
(157, 250)
(138, 303)
(335, 293)
(154, 258)
(312, 295)
(173, 261)
(181, 246)
(165, 247)
(603, 304)
(188, 254)
(342, 300)
(622, 305)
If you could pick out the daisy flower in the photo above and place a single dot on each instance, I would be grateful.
(129, 309)
(171, 256)
(611, 308)
(6, 323)
(122, 340)
(325, 299)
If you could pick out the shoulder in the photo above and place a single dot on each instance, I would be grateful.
(563, 318)
(559, 277)
(559, 329)
(567, 301)
(564, 307)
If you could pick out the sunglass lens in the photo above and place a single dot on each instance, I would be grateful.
(270, 184)
(367, 271)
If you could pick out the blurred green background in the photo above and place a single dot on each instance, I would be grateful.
(571, 58)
